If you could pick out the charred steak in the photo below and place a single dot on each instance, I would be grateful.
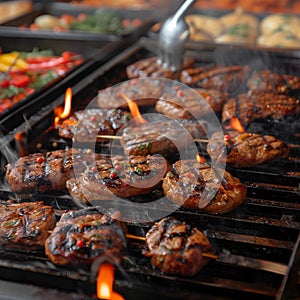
(225, 79)
(246, 149)
(185, 104)
(25, 225)
(198, 186)
(42, 172)
(175, 247)
(144, 91)
(161, 137)
(119, 176)
(250, 107)
(149, 67)
(268, 81)
(80, 237)
(85, 125)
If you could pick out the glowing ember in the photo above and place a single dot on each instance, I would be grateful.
(105, 283)
(65, 112)
(236, 124)
(134, 109)
(200, 158)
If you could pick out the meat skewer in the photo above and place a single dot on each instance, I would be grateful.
(81, 237)
(245, 149)
(25, 225)
(43, 172)
(198, 186)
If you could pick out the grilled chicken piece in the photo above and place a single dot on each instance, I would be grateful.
(186, 104)
(246, 149)
(225, 79)
(175, 247)
(149, 67)
(269, 82)
(119, 176)
(145, 91)
(85, 125)
(43, 172)
(198, 186)
(161, 137)
(81, 237)
(25, 225)
(250, 107)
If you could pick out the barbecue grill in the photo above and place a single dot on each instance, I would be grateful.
(257, 244)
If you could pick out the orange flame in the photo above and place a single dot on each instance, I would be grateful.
(134, 109)
(63, 114)
(200, 158)
(105, 283)
(236, 124)
(21, 139)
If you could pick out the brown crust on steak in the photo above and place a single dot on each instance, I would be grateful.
(246, 149)
(198, 186)
(175, 247)
(100, 237)
(26, 225)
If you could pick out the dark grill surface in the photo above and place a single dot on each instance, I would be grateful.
(261, 234)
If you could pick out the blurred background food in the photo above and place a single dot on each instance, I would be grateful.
(13, 9)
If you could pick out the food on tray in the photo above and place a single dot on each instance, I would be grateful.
(142, 90)
(23, 73)
(149, 67)
(198, 186)
(268, 81)
(86, 125)
(81, 237)
(245, 149)
(26, 225)
(222, 78)
(43, 172)
(254, 106)
(119, 176)
(186, 103)
(176, 247)
(100, 21)
(161, 137)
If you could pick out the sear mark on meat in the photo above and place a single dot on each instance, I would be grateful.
(25, 225)
(226, 79)
(186, 104)
(250, 107)
(268, 81)
(161, 137)
(149, 67)
(86, 125)
(119, 176)
(145, 91)
(81, 237)
(44, 172)
(246, 149)
(175, 247)
(197, 186)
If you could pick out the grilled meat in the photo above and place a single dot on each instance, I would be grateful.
(269, 82)
(80, 237)
(161, 137)
(144, 91)
(42, 172)
(119, 176)
(225, 79)
(246, 149)
(149, 67)
(25, 225)
(85, 125)
(250, 107)
(198, 186)
(186, 104)
(175, 247)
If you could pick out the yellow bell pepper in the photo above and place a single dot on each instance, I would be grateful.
(11, 60)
